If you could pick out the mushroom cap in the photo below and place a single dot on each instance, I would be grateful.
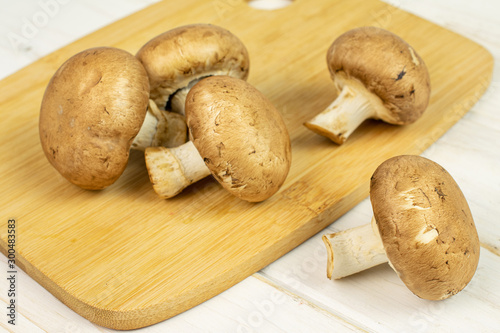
(240, 135)
(92, 109)
(184, 54)
(425, 225)
(387, 66)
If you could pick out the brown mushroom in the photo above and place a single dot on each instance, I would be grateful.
(237, 135)
(422, 226)
(378, 76)
(93, 108)
(178, 58)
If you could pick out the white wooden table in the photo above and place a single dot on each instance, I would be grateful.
(293, 293)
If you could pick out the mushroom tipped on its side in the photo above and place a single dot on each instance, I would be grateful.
(378, 76)
(92, 109)
(178, 58)
(423, 224)
(237, 133)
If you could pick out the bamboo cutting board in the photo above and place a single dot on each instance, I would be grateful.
(122, 257)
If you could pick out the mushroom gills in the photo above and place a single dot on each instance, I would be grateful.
(431, 243)
(173, 169)
(354, 105)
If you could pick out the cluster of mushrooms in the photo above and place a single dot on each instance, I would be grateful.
(183, 99)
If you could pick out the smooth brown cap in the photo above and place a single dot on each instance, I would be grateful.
(92, 109)
(181, 55)
(387, 66)
(240, 135)
(426, 226)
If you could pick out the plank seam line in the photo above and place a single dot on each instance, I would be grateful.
(263, 277)
(493, 249)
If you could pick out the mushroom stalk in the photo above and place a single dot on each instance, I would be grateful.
(147, 133)
(344, 114)
(160, 128)
(178, 101)
(173, 169)
(353, 250)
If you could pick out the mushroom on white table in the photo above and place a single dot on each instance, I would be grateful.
(422, 226)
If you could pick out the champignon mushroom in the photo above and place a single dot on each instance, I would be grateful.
(178, 58)
(422, 226)
(93, 108)
(378, 76)
(237, 135)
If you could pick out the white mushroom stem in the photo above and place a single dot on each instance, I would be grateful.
(147, 132)
(173, 169)
(353, 250)
(178, 101)
(345, 114)
(160, 128)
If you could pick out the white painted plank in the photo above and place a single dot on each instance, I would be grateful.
(477, 20)
(23, 324)
(255, 306)
(31, 29)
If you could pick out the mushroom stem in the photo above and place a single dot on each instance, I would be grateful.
(173, 169)
(344, 114)
(160, 128)
(353, 250)
(178, 99)
(146, 134)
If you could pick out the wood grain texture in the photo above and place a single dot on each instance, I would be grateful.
(144, 259)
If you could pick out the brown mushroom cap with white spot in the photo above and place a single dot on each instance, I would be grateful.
(240, 135)
(92, 109)
(425, 225)
(387, 66)
(187, 53)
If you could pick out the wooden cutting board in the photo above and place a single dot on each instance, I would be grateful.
(124, 258)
